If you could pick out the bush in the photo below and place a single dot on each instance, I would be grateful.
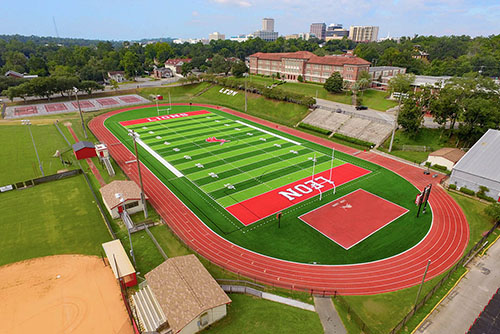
(440, 167)
(452, 186)
(353, 140)
(467, 191)
(493, 210)
(314, 128)
(300, 78)
(485, 197)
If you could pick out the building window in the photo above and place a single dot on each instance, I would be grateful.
(203, 320)
(131, 205)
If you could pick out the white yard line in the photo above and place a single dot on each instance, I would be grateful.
(269, 133)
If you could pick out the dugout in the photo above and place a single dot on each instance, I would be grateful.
(84, 150)
(480, 166)
(119, 262)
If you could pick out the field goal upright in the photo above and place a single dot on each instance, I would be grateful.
(317, 185)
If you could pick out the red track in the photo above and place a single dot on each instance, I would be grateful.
(444, 244)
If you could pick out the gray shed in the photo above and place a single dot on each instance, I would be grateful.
(480, 166)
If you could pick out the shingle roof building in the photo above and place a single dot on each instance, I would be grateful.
(480, 166)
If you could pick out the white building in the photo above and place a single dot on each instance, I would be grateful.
(445, 156)
(239, 38)
(215, 36)
(267, 24)
(363, 33)
(480, 166)
(267, 33)
(121, 195)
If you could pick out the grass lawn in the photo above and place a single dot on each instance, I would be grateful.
(375, 99)
(434, 139)
(382, 312)
(177, 94)
(19, 162)
(276, 111)
(248, 314)
(59, 217)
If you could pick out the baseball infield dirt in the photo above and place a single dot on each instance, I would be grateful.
(61, 294)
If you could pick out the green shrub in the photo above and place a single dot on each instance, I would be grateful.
(300, 78)
(314, 128)
(353, 140)
(467, 191)
(493, 210)
(485, 197)
(453, 186)
(440, 167)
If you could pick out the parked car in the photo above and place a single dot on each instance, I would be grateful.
(361, 107)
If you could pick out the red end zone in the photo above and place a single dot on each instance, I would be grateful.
(261, 206)
(164, 117)
(351, 219)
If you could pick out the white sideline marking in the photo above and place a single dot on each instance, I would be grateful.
(269, 133)
(159, 158)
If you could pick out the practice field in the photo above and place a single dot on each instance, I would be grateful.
(61, 294)
(236, 175)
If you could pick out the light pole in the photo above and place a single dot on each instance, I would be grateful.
(395, 122)
(246, 76)
(28, 123)
(80, 110)
(135, 136)
(120, 197)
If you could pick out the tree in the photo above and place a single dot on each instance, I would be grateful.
(239, 68)
(364, 79)
(401, 83)
(89, 86)
(493, 210)
(131, 64)
(114, 84)
(415, 105)
(186, 68)
(220, 65)
(334, 83)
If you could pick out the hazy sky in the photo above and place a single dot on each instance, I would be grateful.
(128, 20)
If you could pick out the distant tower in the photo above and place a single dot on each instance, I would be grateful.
(267, 24)
(319, 30)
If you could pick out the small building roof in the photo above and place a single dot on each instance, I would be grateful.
(15, 74)
(114, 251)
(483, 159)
(422, 80)
(110, 73)
(177, 61)
(450, 153)
(184, 289)
(129, 190)
(81, 145)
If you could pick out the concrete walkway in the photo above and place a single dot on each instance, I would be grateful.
(328, 315)
(462, 306)
(288, 301)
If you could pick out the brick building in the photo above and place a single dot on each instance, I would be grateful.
(308, 65)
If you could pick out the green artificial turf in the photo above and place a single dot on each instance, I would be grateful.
(249, 315)
(19, 161)
(58, 217)
(295, 240)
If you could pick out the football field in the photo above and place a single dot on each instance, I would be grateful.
(238, 177)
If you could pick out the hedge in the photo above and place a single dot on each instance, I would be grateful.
(353, 140)
(485, 197)
(315, 129)
(467, 191)
(440, 167)
(453, 186)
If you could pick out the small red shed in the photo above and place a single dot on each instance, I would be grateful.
(84, 150)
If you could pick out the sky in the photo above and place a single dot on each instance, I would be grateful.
(138, 19)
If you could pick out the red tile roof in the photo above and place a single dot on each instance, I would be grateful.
(176, 61)
(313, 59)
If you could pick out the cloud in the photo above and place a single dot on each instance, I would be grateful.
(241, 3)
(195, 13)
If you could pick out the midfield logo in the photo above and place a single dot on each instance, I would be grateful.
(215, 140)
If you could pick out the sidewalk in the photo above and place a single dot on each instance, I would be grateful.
(328, 315)
(462, 306)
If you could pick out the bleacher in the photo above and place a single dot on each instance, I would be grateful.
(149, 312)
(373, 131)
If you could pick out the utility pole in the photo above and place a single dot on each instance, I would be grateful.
(28, 123)
(80, 110)
(246, 103)
(135, 136)
(422, 284)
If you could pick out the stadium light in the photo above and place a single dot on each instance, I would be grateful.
(28, 123)
(119, 196)
(246, 76)
(135, 136)
(80, 110)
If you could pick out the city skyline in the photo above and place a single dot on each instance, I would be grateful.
(112, 20)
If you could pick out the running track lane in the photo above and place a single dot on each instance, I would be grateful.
(444, 244)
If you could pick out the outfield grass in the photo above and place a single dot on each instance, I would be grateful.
(19, 162)
(295, 241)
(249, 315)
(59, 217)
(382, 312)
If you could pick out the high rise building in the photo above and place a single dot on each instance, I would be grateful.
(267, 33)
(319, 30)
(267, 24)
(216, 36)
(363, 33)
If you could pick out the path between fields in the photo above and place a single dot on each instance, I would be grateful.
(93, 168)
(328, 315)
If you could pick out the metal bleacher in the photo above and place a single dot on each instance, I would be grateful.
(149, 312)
